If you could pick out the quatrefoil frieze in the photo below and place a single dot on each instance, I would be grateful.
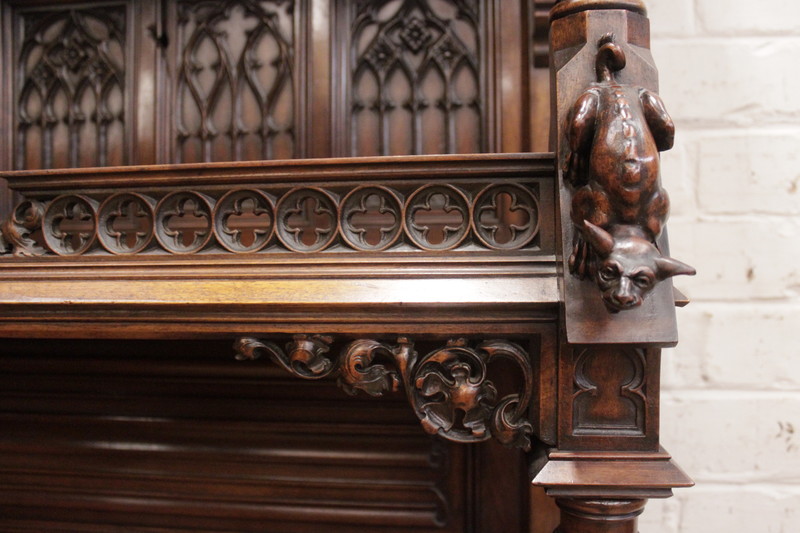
(433, 217)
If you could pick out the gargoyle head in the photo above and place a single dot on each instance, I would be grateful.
(627, 265)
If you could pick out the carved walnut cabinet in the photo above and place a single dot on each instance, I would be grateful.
(316, 265)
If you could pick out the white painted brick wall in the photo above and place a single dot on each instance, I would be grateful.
(730, 76)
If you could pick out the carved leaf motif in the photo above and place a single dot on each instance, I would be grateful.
(509, 423)
(17, 230)
(303, 357)
(450, 381)
(448, 388)
(359, 372)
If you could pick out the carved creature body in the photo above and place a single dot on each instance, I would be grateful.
(615, 134)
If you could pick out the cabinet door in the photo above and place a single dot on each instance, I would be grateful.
(122, 82)
(76, 80)
(234, 72)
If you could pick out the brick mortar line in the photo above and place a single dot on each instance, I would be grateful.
(681, 394)
(726, 217)
(725, 38)
(775, 129)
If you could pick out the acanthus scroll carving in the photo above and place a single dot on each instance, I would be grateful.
(304, 356)
(448, 388)
(16, 232)
(614, 136)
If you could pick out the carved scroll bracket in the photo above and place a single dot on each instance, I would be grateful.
(448, 388)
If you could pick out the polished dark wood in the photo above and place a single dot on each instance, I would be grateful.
(431, 203)
(614, 135)
(446, 384)
(107, 436)
(607, 516)
(576, 29)
(174, 334)
(609, 393)
(608, 125)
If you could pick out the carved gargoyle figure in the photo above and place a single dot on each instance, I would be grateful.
(615, 133)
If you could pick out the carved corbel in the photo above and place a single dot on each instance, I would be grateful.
(448, 388)
(613, 137)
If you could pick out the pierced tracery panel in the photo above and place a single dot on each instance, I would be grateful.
(412, 216)
(415, 76)
(70, 82)
(234, 96)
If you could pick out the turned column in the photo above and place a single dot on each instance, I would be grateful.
(608, 127)
(608, 516)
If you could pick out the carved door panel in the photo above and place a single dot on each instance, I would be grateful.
(77, 82)
(121, 82)
(234, 68)
(417, 77)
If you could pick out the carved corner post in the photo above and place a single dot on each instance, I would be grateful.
(608, 128)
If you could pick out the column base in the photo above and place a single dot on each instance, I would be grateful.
(599, 516)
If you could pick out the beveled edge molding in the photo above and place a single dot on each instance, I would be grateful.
(448, 385)
(296, 171)
(607, 474)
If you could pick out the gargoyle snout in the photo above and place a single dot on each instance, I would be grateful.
(625, 300)
(624, 296)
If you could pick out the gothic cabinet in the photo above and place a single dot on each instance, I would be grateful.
(102, 434)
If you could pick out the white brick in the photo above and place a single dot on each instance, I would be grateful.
(679, 177)
(731, 389)
(726, 17)
(737, 258)
(739, 346)
(750, 173)
(713, 82)
(671, 18)
(661, 516)
(736, 510)
(734, 437)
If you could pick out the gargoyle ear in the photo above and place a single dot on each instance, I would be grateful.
(668, 267)
(598, 238)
